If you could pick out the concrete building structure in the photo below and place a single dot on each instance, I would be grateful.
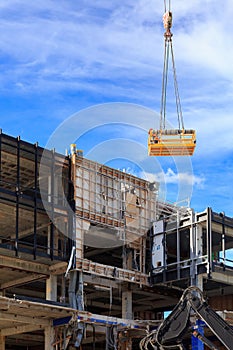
(88, 254)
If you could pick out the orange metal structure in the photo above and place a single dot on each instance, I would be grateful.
(171, 142)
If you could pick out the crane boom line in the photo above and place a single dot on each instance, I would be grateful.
(178, 103)
(165, 5)
(167, 18)
(168, 47)
(164, 86)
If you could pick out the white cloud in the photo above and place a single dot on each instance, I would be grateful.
(71, 43)
(115, 50)
(175, 178)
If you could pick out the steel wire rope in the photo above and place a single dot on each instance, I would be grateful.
(164, 86)
(165, 5)
(177, 95)
(169, 47)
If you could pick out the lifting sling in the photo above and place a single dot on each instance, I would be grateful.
(177, 142)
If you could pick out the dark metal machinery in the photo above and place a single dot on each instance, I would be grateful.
(171, 332)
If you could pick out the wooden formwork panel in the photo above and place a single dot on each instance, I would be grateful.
(110, 197)
(112, 272)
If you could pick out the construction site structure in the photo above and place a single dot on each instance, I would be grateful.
(91, 259)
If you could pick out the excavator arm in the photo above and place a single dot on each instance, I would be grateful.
(218, 326)
(172, 330)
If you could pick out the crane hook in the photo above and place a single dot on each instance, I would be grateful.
(167, 23)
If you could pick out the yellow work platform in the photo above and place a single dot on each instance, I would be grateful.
(171, 142)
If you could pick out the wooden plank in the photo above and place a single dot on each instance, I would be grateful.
(111, 272)
(35, 309)
(58, 268)
(20, 264)
(20, 329)
(105, 282)
(2, 343)
(24, 319)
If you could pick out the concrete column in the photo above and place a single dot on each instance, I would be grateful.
(55, 190)
(62, 297)
(51, 288)
(49, 189)
(193, 255)
(55, 242)
(2, 343)
(127, 304)
(48, 240)
(200, 282)
(127, 308)
(143, 255)
(127, 259)
(81, 227)
(199, 242)
(49, 338)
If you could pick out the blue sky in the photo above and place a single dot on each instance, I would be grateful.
(61, 57)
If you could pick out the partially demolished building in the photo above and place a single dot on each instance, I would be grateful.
(89, 256)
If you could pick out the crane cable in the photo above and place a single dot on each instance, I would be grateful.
(165, 5)
(167, 21)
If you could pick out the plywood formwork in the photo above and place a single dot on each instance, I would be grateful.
(112, 272)
(113, 209)
(109, 198)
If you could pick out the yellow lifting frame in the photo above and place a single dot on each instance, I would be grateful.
(171, 142)
(163, 142)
